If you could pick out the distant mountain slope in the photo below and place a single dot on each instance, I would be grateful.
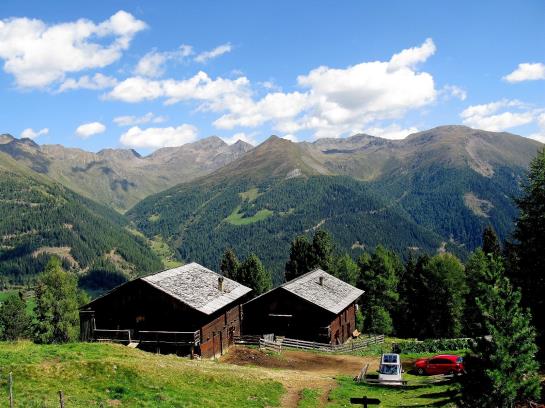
(121, 177)
(434, 190)
(40, 218)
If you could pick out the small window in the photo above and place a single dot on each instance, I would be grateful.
(460, 360)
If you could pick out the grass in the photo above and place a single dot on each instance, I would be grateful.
(154, 217)
(161, 248)
(420, 392)
(237, 218)
(309, 398)
(250, 195)
(91, 374)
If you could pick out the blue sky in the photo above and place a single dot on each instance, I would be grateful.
(145, 74)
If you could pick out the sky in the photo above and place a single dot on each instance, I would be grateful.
(149, 74)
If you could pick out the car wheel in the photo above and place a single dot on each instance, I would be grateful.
(420, 371)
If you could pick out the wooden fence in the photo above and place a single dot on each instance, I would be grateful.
(267, 345)
(115, 336)
(352, 345)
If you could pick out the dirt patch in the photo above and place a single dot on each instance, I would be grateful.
(61, 252)
(480, 207)
(298, 370)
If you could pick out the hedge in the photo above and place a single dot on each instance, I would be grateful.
(431, 346)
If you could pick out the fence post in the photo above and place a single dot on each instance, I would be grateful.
(10, 390)
(61, 398)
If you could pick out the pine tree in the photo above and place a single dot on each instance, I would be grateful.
(527, 266)
(322, 250)
(14, 320)
(445, 289)
(346, 269)
(379, 278)
(501, 368)
(477, 273)
(300, 261)
(229, 264)
(491, 244)
(252, 273)
(57, 302)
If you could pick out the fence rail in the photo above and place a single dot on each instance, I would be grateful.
(247, 340)
(169, 337)
(116, 336)
(352, 345)
(267, 345)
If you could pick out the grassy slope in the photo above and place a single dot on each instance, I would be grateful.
(90, 374)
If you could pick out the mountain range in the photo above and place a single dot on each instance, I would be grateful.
(434, 190)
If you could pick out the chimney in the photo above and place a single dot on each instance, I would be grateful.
(321, 280)
(220, 283)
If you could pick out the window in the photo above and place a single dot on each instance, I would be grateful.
(390, 358)
(389, 369)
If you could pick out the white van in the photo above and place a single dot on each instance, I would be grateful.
(390, 369)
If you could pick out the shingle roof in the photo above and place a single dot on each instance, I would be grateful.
(334, 295)
(197, 286)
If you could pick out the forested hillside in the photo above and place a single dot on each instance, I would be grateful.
(40, 218)
(434, 191)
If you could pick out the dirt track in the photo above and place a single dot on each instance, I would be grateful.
(298, 370)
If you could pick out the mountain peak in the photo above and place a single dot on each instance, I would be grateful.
(6, 138)
(123, 154)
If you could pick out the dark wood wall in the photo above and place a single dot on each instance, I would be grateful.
(343, 325)
(302, 319)
(218, 335)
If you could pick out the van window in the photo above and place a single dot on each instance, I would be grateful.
(390, 358)
(389, 369)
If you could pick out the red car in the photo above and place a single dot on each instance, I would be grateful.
(441, 364)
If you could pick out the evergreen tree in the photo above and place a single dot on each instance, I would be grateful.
(252, 273)
(229, 264)
(477, 274)
(501, 368)
(379, 278)
(527, 267)
(300, 261)
(412, 306)
(322, 250)
(346, 269)
(445, 291)
(306, 256)
(57, 302)
(491, 244)
(14, 320)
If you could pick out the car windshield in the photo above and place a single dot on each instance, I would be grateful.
(389, 358)
(389, 369)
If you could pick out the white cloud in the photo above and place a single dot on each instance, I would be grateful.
(159, 137)
(138, 120)
(330, 103)
(29, 133)
(540, 135)
(393, 131)
(98, 81)
(248, 138)
(526, 72)
(38, 54)
(200, 87)
(152, 64)
(454, 91)
(216, 52)
(291, 138)
(90, 129)
(494, 116)
(412, 56)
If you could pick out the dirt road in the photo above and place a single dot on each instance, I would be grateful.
(298, 370)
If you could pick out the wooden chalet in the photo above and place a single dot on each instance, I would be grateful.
(315, 307)
(189, 309)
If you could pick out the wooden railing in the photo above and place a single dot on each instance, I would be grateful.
(115, 336)
(267, 345)
(250, 340)
(169, 337)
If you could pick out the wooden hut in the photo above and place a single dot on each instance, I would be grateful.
(315, 307)
(189, 309)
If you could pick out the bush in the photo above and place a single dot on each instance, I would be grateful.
(432, 346)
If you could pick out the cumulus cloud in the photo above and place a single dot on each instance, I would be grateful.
(498, 116)
(248, 138)
(31, 48)
(526, 72)
(331, 101)
(394, 132)
(200, 87)
(97, 81)
(152, 64)
(129, 120)
(291, 138)
(29, 133)
(90, 129)
(216, 52)
(159, 137)
(454, 91)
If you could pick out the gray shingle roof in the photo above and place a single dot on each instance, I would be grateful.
(197, 286)
(334, 295)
